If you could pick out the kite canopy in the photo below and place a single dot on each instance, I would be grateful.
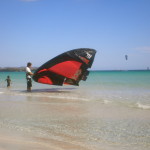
(67, 68)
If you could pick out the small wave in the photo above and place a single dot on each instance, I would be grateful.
(63, 97)
(107, 101)
(143, 106)
(55, 96)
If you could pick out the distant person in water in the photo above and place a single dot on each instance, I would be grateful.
(28, 76)
(8, 81)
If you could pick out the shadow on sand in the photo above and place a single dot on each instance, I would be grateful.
(51, 90)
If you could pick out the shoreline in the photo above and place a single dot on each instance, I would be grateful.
(35, 68)
(108, 112)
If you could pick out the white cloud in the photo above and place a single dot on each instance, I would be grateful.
(144, 49)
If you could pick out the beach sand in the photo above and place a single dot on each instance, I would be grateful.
(14, 141)
(30, 121)
(37, 123)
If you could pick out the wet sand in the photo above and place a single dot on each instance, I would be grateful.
(22, 142)
(30, 121)
(37, 123)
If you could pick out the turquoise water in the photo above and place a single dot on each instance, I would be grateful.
(107, 79)
(126, 87)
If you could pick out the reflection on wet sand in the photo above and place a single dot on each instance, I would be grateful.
(66, 121)
(41, 124)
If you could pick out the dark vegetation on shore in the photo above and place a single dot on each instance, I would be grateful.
(15, 69)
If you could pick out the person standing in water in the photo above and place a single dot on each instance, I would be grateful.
(28, 76)
(8, 81)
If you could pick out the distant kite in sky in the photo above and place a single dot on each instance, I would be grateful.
(126, 57)
(67, 68)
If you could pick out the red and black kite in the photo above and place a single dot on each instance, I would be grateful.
(68, 68)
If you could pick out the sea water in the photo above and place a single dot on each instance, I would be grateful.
(108, 111)
(124, 87)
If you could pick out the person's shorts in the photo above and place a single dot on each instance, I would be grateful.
(8, 84)
(29, 82)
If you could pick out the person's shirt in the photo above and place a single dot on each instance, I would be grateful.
(8, 80)
(28, 71)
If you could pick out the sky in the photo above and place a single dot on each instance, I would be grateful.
(38, 30)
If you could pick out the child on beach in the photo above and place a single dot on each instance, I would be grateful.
(8, 81)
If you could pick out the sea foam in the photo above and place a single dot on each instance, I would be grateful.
(143, 106)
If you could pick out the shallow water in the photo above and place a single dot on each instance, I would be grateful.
(110, 111)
